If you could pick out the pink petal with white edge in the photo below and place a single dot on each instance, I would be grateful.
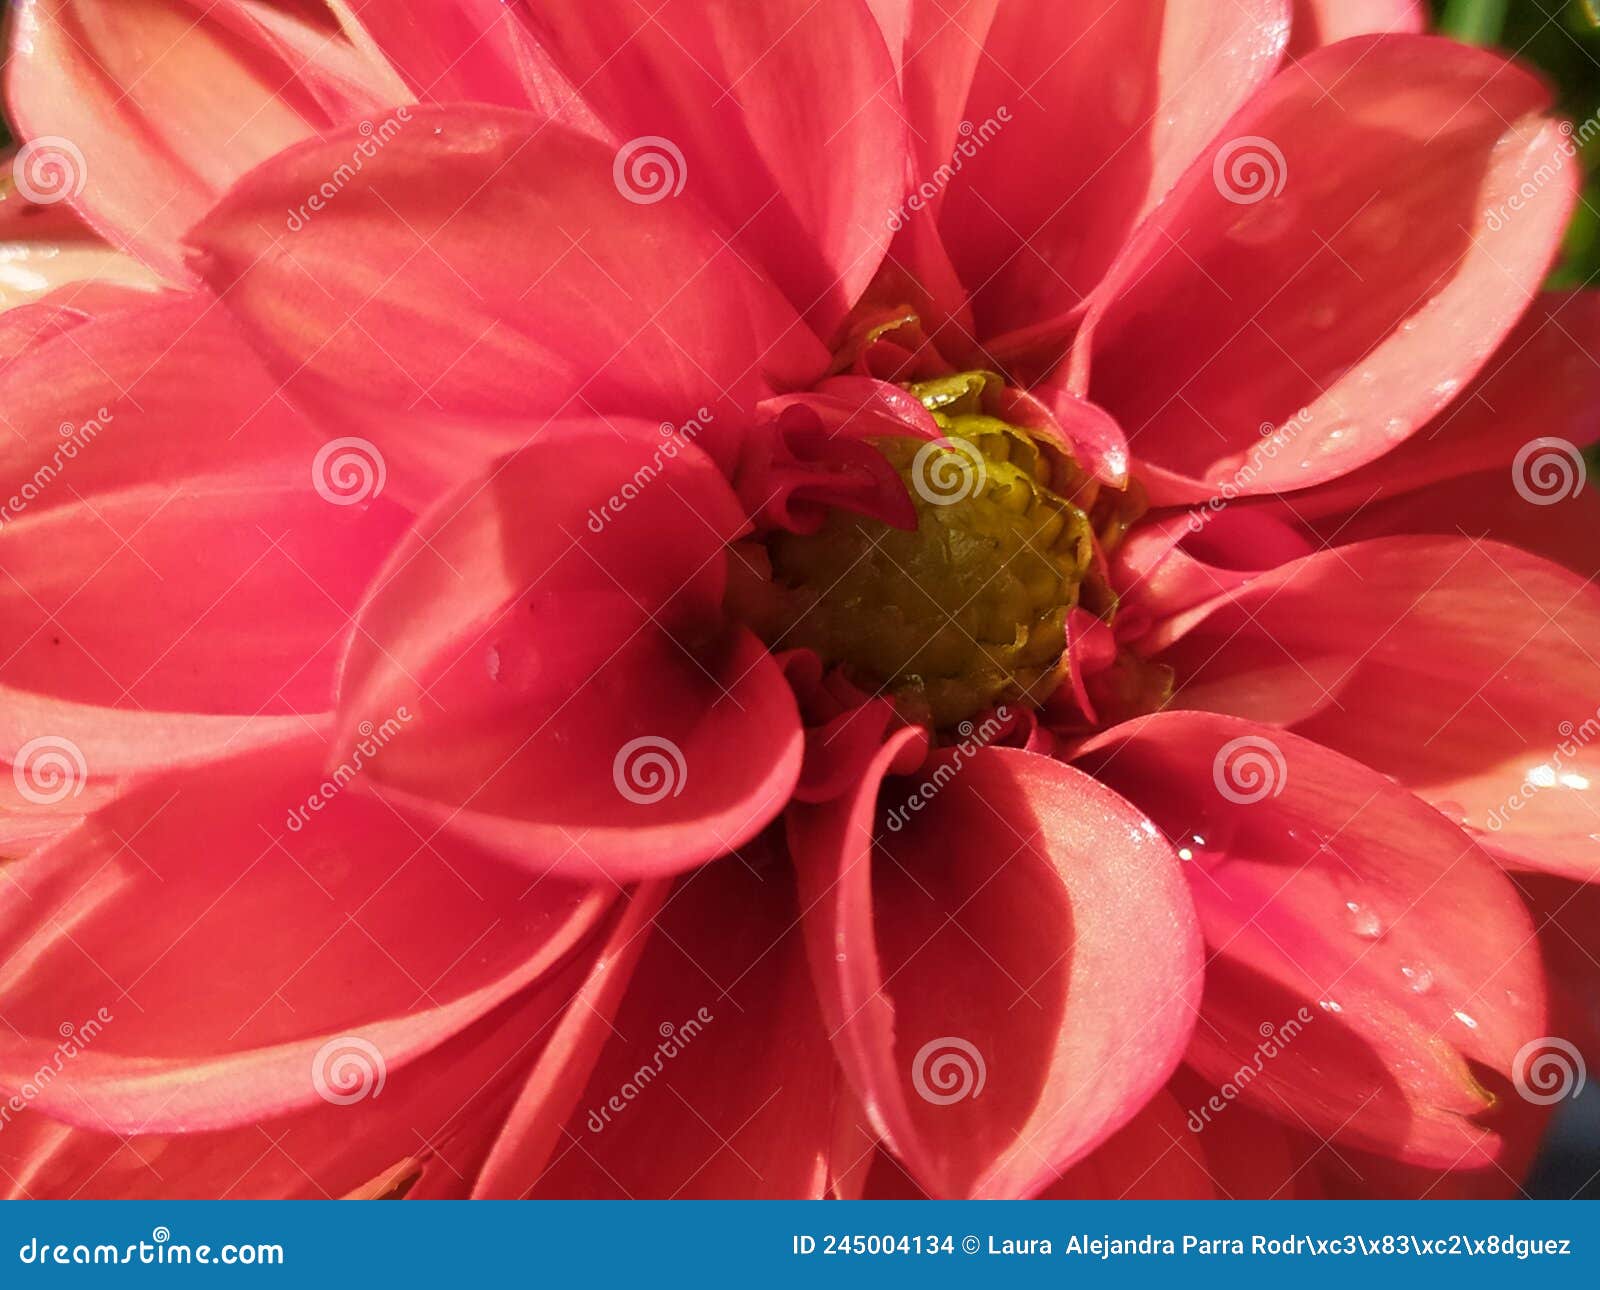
(1379, 954)
(44, 247)
(970, 952)
(143, 112)
(1322, 22)
(1464, 669)
(231, 927)
(1356, 256)
(580, 703)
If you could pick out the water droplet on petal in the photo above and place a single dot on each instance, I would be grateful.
(1363, 922)
(1419, 978)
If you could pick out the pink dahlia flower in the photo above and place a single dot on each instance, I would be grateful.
(788, 599)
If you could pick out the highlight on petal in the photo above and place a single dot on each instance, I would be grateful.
(1371, 973)
(1324, 22)
(1357, 256)
(968, 922)
(142, 112)
(45, 247)
(579, 702)
(1464, 669)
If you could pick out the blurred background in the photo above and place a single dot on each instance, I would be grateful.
(1562, 38)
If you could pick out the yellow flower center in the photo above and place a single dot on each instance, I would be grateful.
(966, 610)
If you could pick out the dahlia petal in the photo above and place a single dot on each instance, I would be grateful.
(424, 1133)
(1353, 271)
(1151, 1157)
(1462, 668)
(44, 247)
(1015, 1039)
(395, 305)
(202, 104)
(779, 116)
(296, 903)
(472, 51)
(1542, 383)
(1559, 526)
(1144, 86)
(153, 518)
(533, 1126)
(1322, 22)
(579, 702)
(721, 1012)
(1371, 944)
